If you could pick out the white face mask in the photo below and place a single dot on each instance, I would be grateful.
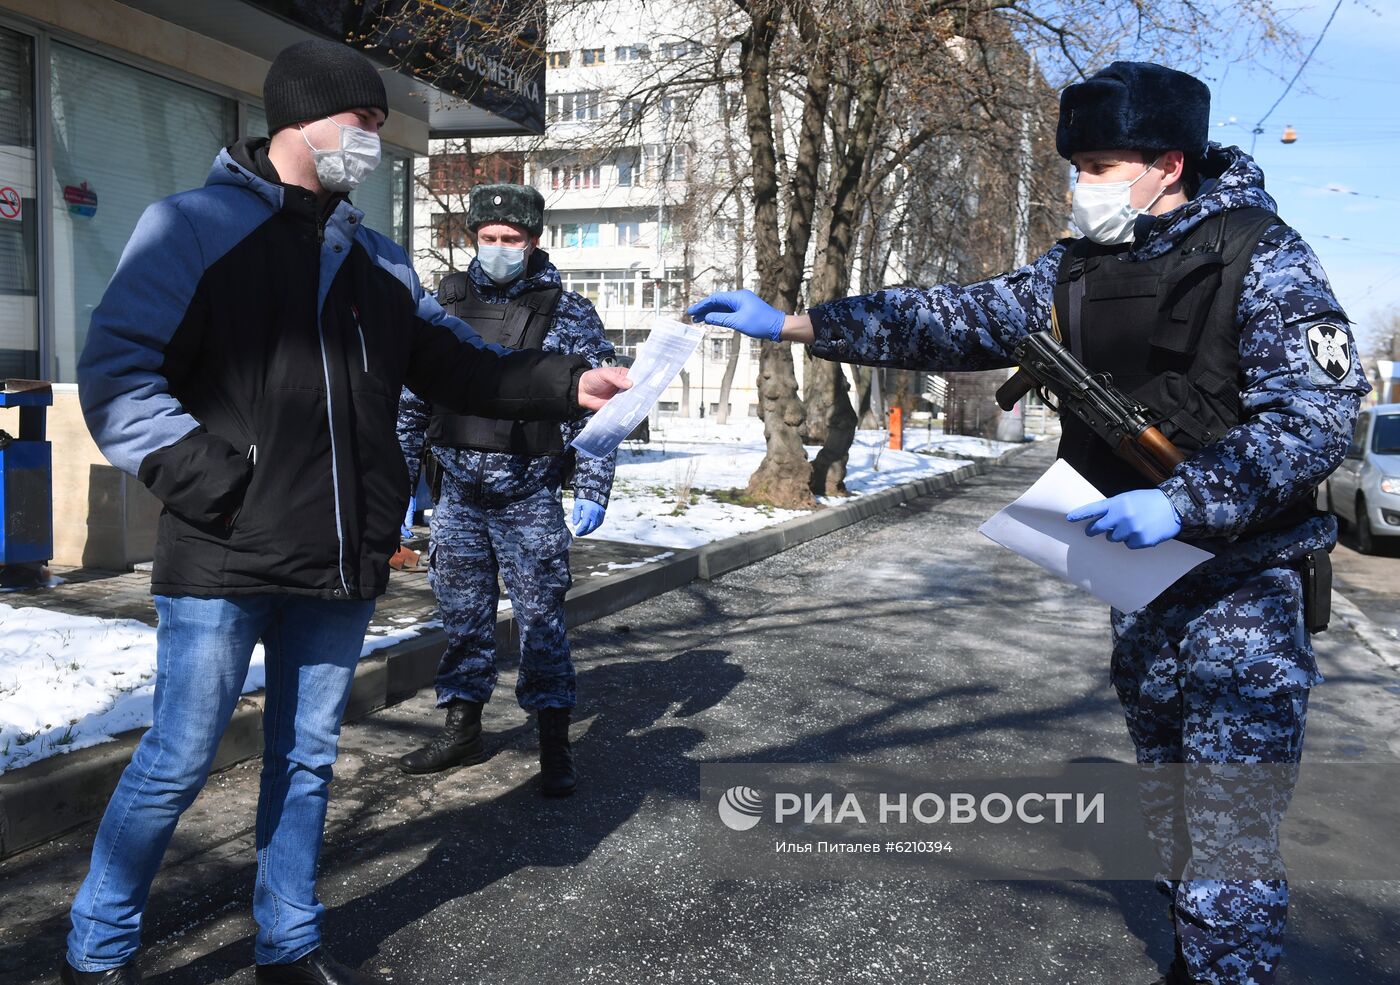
(349, 163)
(1103, 210)
(502, 263)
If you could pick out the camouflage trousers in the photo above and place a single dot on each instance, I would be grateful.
(1217, 672)
(527, 542)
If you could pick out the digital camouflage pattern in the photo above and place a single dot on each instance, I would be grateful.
(1218, 671)
(497, 511)
(525, 539)
(1218, 668)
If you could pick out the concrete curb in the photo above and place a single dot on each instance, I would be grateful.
(41, 802)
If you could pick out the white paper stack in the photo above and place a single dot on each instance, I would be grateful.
(1035, 527)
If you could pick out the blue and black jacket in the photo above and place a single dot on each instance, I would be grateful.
(246, 362)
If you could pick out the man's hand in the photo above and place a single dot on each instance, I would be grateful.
(743, 311)
(1140, 518)
(597, 386)
(588, 517)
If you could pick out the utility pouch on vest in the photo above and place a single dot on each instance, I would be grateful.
(1316, 569)
(432, 474)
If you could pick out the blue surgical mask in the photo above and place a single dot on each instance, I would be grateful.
(501, 263)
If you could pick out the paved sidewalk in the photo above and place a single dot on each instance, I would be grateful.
(903, 639)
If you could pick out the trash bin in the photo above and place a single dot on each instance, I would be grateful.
(26, 486)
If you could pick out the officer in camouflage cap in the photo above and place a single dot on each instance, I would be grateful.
(1196, 297)
(497, 499)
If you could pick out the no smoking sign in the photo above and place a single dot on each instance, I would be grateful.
(10, 203)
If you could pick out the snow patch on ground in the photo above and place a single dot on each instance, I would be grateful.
(68, 682)
(703, 458)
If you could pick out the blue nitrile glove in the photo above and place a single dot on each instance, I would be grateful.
(743, 311)
(1140, 518)
(588, 517)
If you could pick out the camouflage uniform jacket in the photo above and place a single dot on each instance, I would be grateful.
(498, 478)
(1299, 416)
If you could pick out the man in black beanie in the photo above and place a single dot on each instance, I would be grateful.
(1190, 291)
(245, 363)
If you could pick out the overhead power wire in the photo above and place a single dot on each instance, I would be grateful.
(1259, 127)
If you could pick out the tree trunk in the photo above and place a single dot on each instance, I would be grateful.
(781, 478)
(830, 281)
(727, 380)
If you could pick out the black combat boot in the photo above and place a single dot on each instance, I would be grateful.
(557, 776)
(125, 975)
(458, 744)
(316, 968)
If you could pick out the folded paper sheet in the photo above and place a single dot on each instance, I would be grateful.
(661, 357)
(1035, 527)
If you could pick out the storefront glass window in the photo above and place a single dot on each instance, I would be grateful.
(19, 294)
(122, 139)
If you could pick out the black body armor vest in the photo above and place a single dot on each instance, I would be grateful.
(519, 324)
(1165, 330)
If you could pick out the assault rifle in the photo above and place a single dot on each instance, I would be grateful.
(1047, 367)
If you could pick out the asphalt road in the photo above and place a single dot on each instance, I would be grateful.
(906, 639)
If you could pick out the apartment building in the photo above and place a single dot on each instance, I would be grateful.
(640, 208)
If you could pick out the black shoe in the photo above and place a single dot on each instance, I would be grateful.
(125, 975)
(557, 776)
(458, 744)
(316, 968)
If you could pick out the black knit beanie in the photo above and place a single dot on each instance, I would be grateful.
(314, 78)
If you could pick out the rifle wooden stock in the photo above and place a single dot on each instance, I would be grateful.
(1152, 454)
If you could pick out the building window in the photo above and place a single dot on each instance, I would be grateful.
(607, 288)
(668, 407)
(559, 59)
(575, 176)
(629, 171)
(19, 217)
(632, 53)
(573, 107)
(450, 230)
(671, 291)
(672, 107)
(592, 56)
(668, 163)
(629, 234)
(629, 111)
(573, 234)
(455, 174)
(110, 163)
(681, 49)
(719, 350)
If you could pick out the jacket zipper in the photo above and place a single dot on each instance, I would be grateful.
(330, 422)
(364, 352)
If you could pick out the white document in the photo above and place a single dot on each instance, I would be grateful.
(1035, 527)
(661, 357)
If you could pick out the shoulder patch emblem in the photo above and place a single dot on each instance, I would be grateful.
(1330, 350)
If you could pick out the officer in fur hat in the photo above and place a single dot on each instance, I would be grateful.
(497, 502)
(1194, 295)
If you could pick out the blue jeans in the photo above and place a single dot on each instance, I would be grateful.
(203, 647)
